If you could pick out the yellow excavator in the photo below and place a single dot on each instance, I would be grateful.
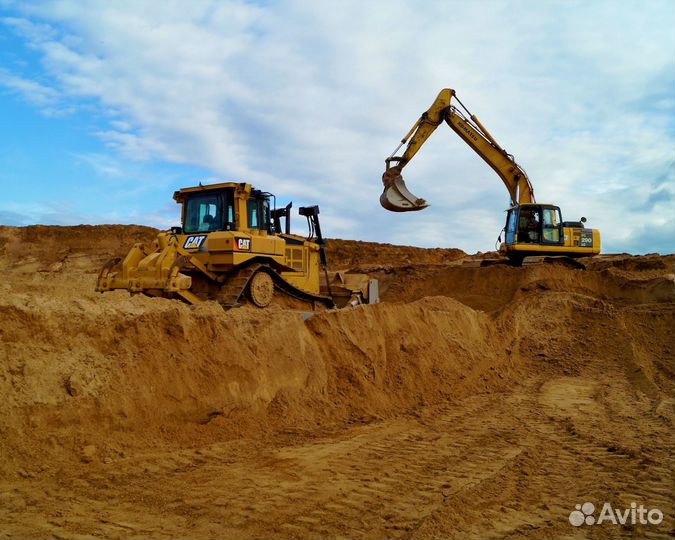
(231, 247)
(535, 232)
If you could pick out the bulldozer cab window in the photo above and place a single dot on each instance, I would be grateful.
(265, 216)
(551, 222)
(253, 214)
(259, 214)
(230, 224)
(210, 212)
(202, 214)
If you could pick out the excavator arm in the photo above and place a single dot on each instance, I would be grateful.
(396, 196)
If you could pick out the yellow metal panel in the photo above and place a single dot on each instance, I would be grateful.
(554, 249)
(220, 241)
(221, 259)
(264, 244)
(304, 259)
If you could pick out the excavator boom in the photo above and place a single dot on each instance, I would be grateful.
(397, 198)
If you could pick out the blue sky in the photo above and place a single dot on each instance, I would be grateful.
(109, 107)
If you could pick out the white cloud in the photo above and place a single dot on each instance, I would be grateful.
(34, 33)
(307, 99)
(104, 165)
(32, 91)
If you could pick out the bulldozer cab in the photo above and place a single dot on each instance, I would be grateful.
(225, 207)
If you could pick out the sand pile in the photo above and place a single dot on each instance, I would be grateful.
(353, 253)
(47, 248)
(89, 376)
(626, 280)
(76, 373)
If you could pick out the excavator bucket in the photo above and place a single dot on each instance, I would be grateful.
(396, 196)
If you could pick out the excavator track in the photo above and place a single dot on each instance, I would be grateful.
(236, 285)
(561, 260)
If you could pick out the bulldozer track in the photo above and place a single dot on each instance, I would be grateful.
(285, 287)
(235, 285)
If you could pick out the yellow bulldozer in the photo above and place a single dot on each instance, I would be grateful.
(231, 248)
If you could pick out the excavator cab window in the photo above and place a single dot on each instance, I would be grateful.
(529, 225)
(511, 226)
(551, 225)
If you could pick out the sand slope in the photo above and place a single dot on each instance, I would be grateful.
(472, 402)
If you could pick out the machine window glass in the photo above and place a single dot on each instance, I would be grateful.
(529, 225)
(230, 217)
(551, 217)
(259, 214)
(511, 222)
(265, 218)
(202, 214)
(551, 225)
(253, 221)
(227, 204)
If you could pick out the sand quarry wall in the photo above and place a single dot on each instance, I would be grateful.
(84, 372)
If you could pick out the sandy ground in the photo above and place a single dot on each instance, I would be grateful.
(470, 403)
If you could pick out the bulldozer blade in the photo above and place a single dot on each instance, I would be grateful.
(397, 198)
(102, 281)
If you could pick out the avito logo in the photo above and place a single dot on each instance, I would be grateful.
(584, 514)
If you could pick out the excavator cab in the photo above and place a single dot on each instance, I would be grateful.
(534, 224)
(536, 230)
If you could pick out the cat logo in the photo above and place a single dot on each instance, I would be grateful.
(194, 242)
(244, 244)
